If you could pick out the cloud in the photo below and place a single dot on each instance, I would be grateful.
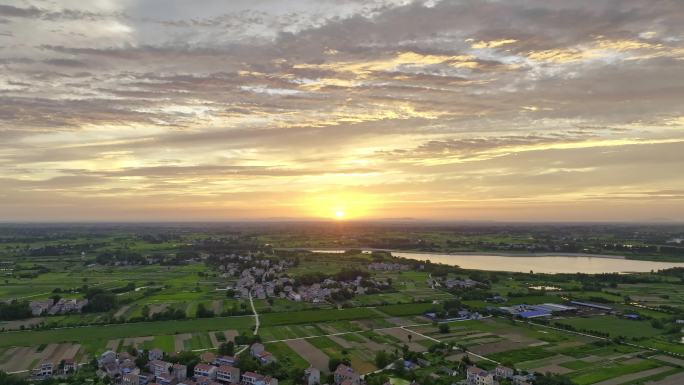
(451, 104)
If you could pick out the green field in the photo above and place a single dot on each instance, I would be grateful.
(614, 326)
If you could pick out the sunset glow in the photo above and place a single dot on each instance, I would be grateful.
(433, 110)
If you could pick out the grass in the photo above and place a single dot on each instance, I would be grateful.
(353, 337)
(614, 326)
(311, 316)
(287, 355)
(406, 309)
(520, 355)
(611, 371)
(596, 349)
(97, 336)
(576, 365)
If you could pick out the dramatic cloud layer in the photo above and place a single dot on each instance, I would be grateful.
(468, 109)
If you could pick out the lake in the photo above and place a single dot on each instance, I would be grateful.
(542, 264)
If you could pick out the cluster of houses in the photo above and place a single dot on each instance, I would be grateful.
(546, 310)
(451, 283)
(537, 311)
(213, 370)
(479, 376)
(459, 315)
(47, 369)
(461, 283)
(384, 266)
(264, 282)
(63, 306)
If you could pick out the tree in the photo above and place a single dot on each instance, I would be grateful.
(14, 310)
(444, 328)
(203, 312)
(9, 379)
(227, 348)
(552, 379)
(382, 359)
(334, 362)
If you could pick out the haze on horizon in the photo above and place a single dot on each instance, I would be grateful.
(440, 110)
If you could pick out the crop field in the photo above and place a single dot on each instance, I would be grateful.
(163, 310)
(614, 326)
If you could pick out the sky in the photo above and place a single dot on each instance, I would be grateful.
(511, 110)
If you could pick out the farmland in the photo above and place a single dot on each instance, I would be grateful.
(188, 305)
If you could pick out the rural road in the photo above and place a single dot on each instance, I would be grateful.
(256, 315)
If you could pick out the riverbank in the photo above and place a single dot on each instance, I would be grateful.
(472, 253)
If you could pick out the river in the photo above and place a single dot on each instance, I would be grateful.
(549, 263)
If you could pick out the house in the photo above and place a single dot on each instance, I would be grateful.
(256, 349)
(45, 369)
(503, 372)
(448, 371)
(180, 372)
(130, 379)
(205, 370)
(592, 305)
(158, 367)
(227, 373)
(187, 382)
(251, 378)
(528, 314)
(345, 374)
(225, 360)
(208, 357)
(312, 376)
(40, 307)
(202, 380)
(266, 358)
(128, 366)
(632, 316)
(520, 379)
(155, 354)
(166, 379)
(112, 369)
(106, 357)
(70, 366)
(144, 378)
(477, 376)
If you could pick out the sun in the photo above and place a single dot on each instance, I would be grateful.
(339, 214)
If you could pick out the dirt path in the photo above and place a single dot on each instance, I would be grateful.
(670, 360)
(256, 315)
(158, 308)
(230, 334)
(121, 311)
(113, 344)
(179, 341)
(496, 347)
(214, 341)
(342, 342)
(402, 335)
(310, 353)
(217, 306)
(136, 341)
(21, 359)
(675, 379)
(634, 376)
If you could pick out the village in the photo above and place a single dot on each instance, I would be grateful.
(269, 280)
(155, 367)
